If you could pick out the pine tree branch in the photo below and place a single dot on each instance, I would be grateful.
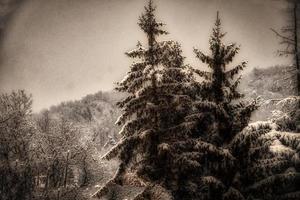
(274, 180)
(114, 151)
(204, 74)
(230, 74)
(204, 58)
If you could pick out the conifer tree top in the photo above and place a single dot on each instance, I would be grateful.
(149, 24)
(217, 34)
(220, 80)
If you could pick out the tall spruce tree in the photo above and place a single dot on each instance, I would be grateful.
(209, 166)
(237, 161)
(220, 87)
(158, 87)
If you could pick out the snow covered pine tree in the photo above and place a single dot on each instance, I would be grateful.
(159, 98)
(237, 161)
(208, 164)
(186, 139)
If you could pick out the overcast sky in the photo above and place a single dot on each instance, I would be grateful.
(61, 50)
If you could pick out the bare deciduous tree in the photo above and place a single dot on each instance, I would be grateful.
(16, 131)
(288, 36)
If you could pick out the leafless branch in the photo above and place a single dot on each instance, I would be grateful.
(282, 36)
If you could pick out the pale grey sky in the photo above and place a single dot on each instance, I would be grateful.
(64, 49)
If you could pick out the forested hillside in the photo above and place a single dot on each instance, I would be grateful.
(275, 87)
(56, 152)
(271, 82)
(96, 113)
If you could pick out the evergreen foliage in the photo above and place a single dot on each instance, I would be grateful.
(270, 162)
(208, 165)
(158, 85)
(186, 133)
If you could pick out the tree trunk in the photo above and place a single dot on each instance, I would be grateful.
(58, 194)
(85, 172)
(47, 181)
(38, 178)
(296, 47)
(66, 170)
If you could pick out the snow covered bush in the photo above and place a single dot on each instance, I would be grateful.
(270, 162)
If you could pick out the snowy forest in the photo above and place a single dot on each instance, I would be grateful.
(170, 130)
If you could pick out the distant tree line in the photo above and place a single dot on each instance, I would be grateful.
(52, 154)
